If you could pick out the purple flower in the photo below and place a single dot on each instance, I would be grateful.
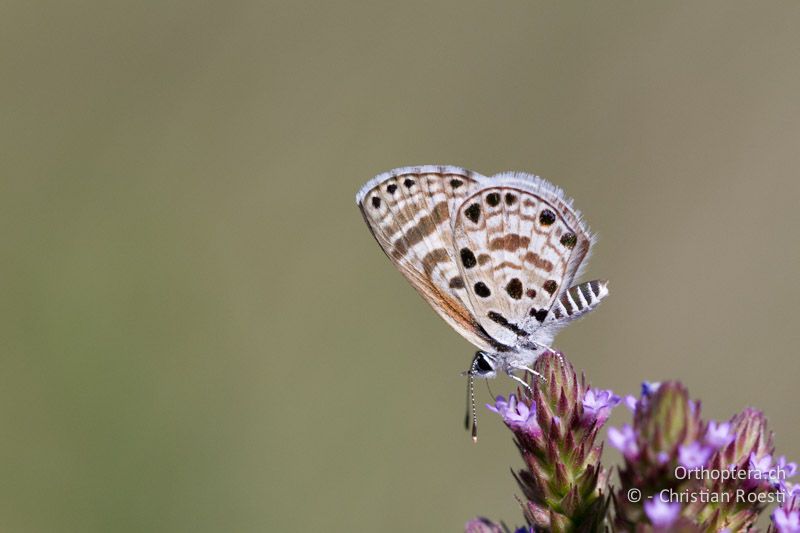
(786, 522)
(761, 470)
(694, 455)
(631, 402)
(785, 470)
(790, 490)
(719, 435)
(624, 440)
(760, 467)
(662, 457)
(648, 389)
(662, 514)
(482, 525)
(597, 405)
(517, 415)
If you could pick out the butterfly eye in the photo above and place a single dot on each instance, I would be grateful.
(482, 364)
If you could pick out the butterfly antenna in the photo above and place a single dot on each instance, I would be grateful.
(466, 411)
(471, 402)
(474, 413)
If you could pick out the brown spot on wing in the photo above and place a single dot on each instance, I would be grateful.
(569, 240)
(539, 315)
(482, 290)
(510, 242)
(426, 225)
(473, 213)
(456, 283)
(468, 258)
(550, 286)
(514, 288)
(399, 248)
(494, 316)
(507, 264)
(433, 258)
(547, 217)
(538, 262)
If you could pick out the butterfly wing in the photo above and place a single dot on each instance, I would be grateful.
(409, 212)
(520, 245)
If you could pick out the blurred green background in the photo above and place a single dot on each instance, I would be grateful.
(199, 333)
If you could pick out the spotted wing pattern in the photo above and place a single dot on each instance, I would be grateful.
(409, 211)
(520, 244)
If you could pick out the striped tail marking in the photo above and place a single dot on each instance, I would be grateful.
(579, 300)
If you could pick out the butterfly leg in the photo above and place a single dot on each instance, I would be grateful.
(522, 382)
(529, 370)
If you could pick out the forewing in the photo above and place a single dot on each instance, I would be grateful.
(409, 212)
(520, 245)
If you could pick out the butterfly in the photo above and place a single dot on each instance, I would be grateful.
(495, 257)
